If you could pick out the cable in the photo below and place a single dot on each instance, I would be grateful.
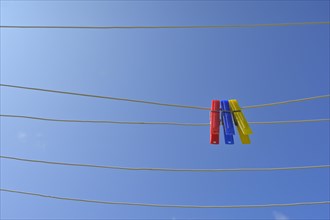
(165, 205)
(165, 169)
(170, 27)
(159, 103)
(154, 123)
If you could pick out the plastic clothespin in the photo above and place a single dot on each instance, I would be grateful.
(215, 122)
(227, 122)
(243, 127)
(245, 139)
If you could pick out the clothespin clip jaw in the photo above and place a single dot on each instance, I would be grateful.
(243, 127)
(227, 122)
(215, 122)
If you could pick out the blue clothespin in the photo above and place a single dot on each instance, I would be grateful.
(227, 122)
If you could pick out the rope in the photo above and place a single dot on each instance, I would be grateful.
(104, 97)
(159, 103)
(166, 169)
(165, 205)
(153, 123)
(104, 121)
(287, 102)
(290, 121)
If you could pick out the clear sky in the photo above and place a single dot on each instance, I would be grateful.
(184, 66)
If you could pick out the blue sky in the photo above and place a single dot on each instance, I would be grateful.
(254, 66)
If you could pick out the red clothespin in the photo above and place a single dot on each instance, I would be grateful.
(215, 122)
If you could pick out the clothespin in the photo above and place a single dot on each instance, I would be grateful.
(215, 122)
(243, 127)
(227, 122)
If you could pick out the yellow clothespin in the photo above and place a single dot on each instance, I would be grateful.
(245, 139)
(243, 127)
